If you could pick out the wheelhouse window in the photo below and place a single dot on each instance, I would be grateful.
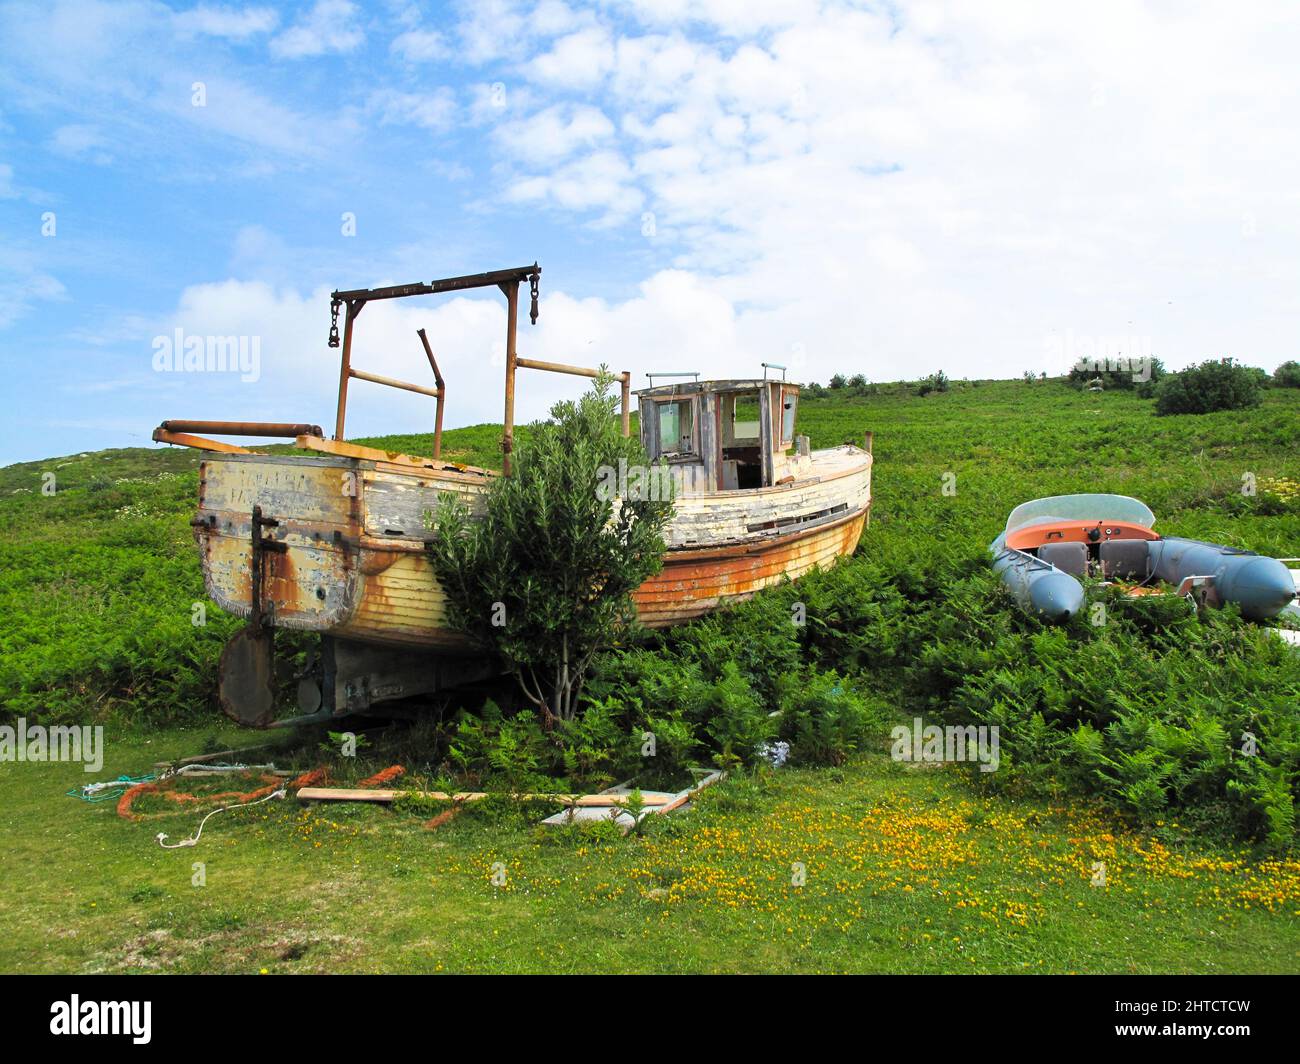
(789, 399)
(742, 443)
(745, 417)
(676, 427)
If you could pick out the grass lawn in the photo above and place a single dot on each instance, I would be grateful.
(905, 870)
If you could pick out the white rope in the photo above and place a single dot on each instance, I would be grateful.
(91, 790)
(201, 769)
(162, 838)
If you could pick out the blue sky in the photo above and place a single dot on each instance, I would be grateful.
(884, 189)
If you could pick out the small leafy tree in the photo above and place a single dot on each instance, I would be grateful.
(935, 382)
(1287, 375)
(543, 579)
(1119, 374)
(1213, 385)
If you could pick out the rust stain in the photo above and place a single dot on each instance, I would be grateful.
(374, 562)
(280, 583)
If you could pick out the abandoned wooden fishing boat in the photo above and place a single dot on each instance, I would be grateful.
(332, 539)
(1050, 545)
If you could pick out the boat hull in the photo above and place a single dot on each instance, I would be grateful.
(353, 563)
(695, 581)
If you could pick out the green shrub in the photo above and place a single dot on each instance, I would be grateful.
(1148, 711)
(760, 637)
(734, 719)
(499, 751)
(1211, 386)
(593, 746)
(1287, 375)
(822, 718)
(935, 382)
(1119, 374)
(659, 694)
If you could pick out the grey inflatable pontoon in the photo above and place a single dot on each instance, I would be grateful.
(1050, 545)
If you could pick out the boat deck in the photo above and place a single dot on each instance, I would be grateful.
(837, 484)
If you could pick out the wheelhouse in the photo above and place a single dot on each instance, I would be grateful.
(727, 435)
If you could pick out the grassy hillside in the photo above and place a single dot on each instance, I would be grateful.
(1119, 741)
(98, 581)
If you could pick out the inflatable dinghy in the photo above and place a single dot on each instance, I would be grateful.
(1050, 545)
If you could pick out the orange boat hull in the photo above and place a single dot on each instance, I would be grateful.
(695, 581)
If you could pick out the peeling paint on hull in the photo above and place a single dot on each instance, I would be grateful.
(693, 582)
(355, 566)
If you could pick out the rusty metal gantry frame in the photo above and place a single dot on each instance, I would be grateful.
(508, 281)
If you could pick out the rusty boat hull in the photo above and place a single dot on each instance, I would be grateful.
(695, 581)
(351, 561)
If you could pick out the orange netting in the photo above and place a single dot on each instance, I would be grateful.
(380, 778)
(436, 822)
(307, 779)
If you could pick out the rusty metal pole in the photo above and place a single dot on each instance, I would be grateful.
(345, 368)
(627, 402)
(512, 311)
(442, 394)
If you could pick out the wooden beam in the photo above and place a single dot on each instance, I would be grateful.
(557, 367)
(393, 382)
(687, 795)
(378, 794)
(202, 443)
(512, 354)
(373, 454)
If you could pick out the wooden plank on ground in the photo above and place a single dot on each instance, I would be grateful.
(381, 795)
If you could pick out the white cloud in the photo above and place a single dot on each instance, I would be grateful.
(328, 27)
(578, 60)
(237, 110)
(81, 142)
(733, 17)
(944, 185)
(554, 133)
(601, 181)
(490, 30)
(432, 110)
(420, 46)
(232, 23)
(24, 282)
(100, 61)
